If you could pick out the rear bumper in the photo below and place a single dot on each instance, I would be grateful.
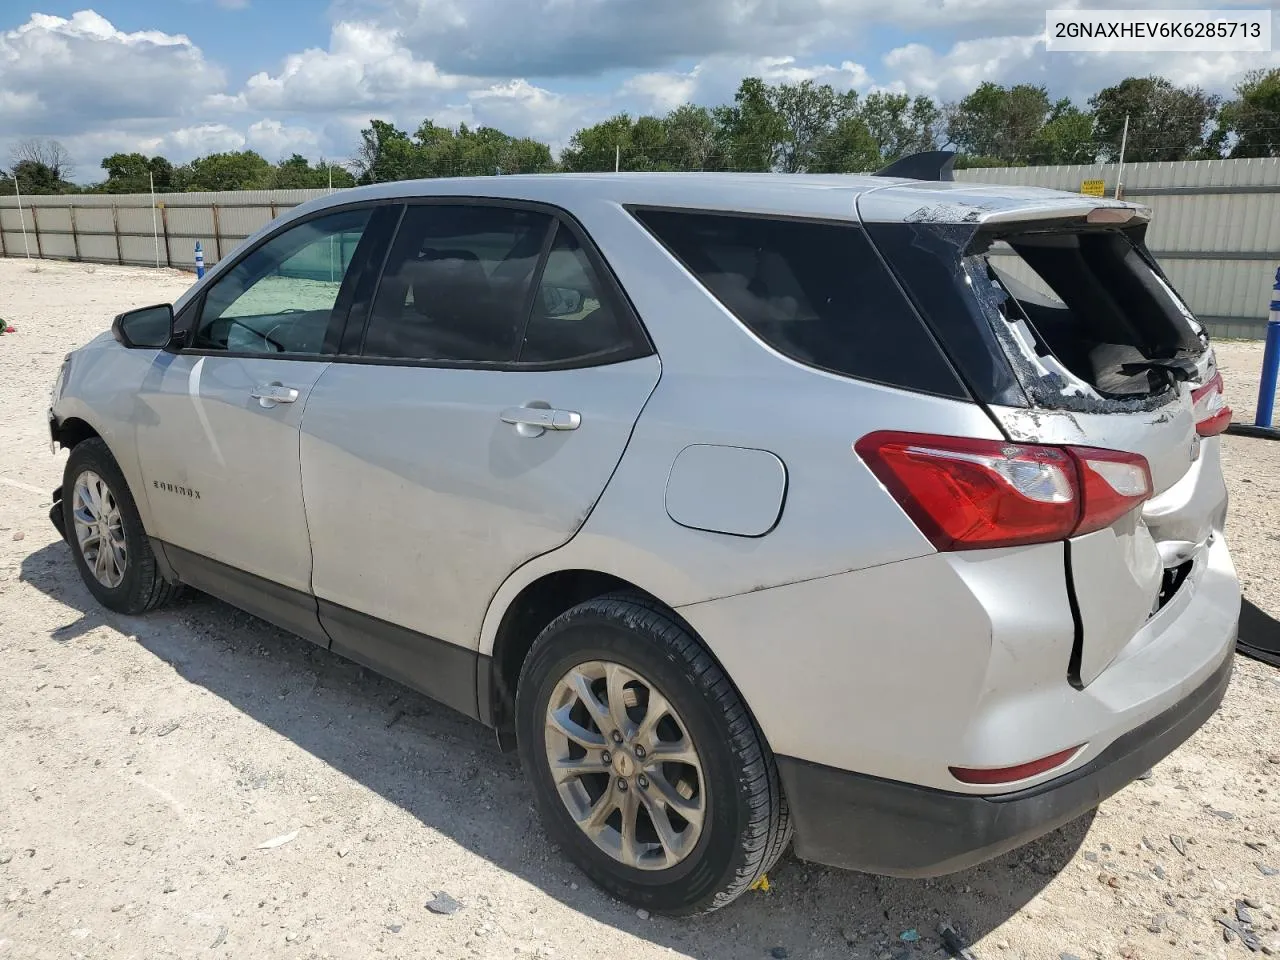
(880, 826)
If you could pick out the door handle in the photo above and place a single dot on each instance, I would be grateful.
(532, 421)
(269, 394)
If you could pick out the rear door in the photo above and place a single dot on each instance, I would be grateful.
(493, 392)
(1072, 335)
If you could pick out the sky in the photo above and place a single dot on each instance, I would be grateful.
(188, 77)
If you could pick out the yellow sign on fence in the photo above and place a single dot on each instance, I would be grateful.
(1093, 188)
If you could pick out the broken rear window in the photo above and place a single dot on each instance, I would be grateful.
(1092, 302)
(1077, 313)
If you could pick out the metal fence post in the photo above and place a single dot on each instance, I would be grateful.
(217, 234)
(164, 225)
(3, 250)
(75, 236)
(115, 226)
(35, 226)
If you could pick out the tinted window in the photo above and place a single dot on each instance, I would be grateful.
(813, 291)
(928, 260)
(280, 297)
(573, 317)
(457, 283)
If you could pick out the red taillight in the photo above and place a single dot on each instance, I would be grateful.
(987, 776)
(1209, 404)
(1111, 484)
(967, 494)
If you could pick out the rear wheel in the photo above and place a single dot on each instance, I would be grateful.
(110, 547)
(647, 768)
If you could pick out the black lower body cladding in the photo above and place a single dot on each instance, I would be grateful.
(859, 822)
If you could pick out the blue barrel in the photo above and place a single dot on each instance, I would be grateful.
(1270, 361)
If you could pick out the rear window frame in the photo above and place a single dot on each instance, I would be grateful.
(960, 389)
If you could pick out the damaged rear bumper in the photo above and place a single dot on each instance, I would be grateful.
(860, 822)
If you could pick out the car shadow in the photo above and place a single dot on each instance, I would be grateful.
(446, 770)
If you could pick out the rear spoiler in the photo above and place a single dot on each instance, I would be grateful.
(931, 165)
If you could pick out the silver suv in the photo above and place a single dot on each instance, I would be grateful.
(880, 512)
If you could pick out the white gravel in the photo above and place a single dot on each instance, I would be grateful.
(144, 763)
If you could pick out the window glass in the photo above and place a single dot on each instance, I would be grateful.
(279, 298)
(456, 284)
(815, 292)
(572, 319)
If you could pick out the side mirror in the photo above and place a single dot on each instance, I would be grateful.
(561, 301)
(144, 328)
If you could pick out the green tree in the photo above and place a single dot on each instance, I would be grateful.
(633, 145)
(997, 121)
(691, 139)
(1066, 137)
(810, 115)
(385, 153)
(1166, 122)
(901, 125)
(1254, 115)
(297, 173)
(34, 177)
(388, 153)
(44, 152)
(132, 173)
(237, 170)
(848, 148)
(752, 131)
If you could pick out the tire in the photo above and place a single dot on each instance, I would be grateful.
(140, 586)
(742, 826)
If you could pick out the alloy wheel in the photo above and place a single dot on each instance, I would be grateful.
(625, 765)
(99, 529)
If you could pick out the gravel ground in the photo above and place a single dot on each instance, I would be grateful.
(145, 761)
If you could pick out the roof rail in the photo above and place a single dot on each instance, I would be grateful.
(930, 165)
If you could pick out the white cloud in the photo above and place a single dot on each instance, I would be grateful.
(84, 68)
(202, 138)
(951, 74)
(275, 140)
(540, 68)
(967, 64)
(579, 38)
(549, 38)
(519, 106)
(365, 64)
(663, 91)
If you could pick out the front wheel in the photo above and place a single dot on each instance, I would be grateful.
(647, 768)
(110, 547)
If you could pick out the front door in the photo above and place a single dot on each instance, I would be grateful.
(499, 382)
(218, 435)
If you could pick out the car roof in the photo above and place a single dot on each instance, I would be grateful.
(834, 196)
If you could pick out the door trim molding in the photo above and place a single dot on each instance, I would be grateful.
(283, 606)
(443, 671)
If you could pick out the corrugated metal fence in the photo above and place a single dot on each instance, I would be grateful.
(126, 228)
(1215, 226)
